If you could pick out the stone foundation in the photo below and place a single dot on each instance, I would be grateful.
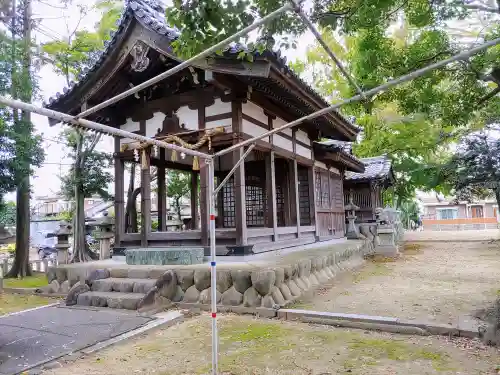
(269, 283)
(164, 256)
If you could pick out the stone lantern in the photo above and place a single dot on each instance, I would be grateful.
(351, 208)
(62, 246)
(104, 234)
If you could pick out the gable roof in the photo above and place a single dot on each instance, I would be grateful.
(151, 14)
(344, 152)
(376, 168)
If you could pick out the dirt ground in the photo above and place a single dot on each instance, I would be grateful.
(432, 281)
(249, 347)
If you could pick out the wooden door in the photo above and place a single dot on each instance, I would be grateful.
(477, 211)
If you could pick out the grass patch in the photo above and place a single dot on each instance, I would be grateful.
(412, 248)
(375, 269)
(38, 279)
(369, 351)
(10, 303)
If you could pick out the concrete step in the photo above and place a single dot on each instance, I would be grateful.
(114, 300)
(123, 285)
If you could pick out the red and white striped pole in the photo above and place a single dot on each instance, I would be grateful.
(213, 255)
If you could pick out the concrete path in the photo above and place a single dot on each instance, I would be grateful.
(37, 336)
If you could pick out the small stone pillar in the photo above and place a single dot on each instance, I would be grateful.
(386, 233)
(62, 246)
(104, 234)
(352, 232)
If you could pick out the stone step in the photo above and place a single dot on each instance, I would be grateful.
(123, 285)
(114, 300)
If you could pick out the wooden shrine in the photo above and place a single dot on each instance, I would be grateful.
(288, 192)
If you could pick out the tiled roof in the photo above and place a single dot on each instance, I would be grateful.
(151, 14)
(345, 148)
(377, 167)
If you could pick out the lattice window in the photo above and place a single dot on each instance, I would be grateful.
(336, 192)
(229, 205)
(255, 201)
(304, 203)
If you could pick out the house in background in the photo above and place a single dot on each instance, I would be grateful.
(445, 213)
(46, 207)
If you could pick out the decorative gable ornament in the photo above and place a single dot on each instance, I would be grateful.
(140, 57)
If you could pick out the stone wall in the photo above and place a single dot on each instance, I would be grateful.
(270, 283)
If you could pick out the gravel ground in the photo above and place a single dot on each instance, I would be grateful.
(252, 347)
(432, 281)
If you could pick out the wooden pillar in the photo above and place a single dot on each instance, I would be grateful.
(161, 195)
(239, 177)
(119, 194)
(295, 181)
(312, 194)
(194, 200)
(330, 202)
(373, 199)
(272, 217)
(204, 209)
(145, 196)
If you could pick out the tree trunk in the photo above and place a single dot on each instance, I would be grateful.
(81, 252)
(132, 224)
(497, 196)
(21, 267)
(178, 209)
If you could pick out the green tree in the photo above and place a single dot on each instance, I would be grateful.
(22, 146)
(8, 214)
(88, 174)
(178, 187)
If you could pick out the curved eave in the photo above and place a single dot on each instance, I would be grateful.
(332, 155)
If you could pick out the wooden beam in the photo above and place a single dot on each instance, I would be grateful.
(119, 194)
(145, 197)
(194, 200)
(161, 195)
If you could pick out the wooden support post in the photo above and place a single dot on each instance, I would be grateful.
(239, 177)
(194, 200)
(312, 194)
(295, 182)
(119, 194)
(161, 195)
(204, 209)
(272, 217)
(145, 197)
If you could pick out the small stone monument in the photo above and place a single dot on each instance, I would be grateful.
(386, 234)
(62, 246)
(104, 234)
(351, 208)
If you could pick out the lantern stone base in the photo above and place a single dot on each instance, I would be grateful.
(386, 246)
(164, 256)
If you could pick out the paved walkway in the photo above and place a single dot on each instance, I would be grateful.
(36, 336)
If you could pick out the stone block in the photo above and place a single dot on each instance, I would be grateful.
(268, 301)
(304, 268)
(280, 276)
(294, 289)
(285, 291)
(224, 280)
(277, 296)
(64, 288)
(61, 274)
(185, 278)
(51, 274)
(118, 272)
(313, 280)
(288, 272)
(143, 285)
(168, 287)
(104, 285)
(167, 278)
(206, 296)
(148, 299)
(74, 292)
(123, 285)
(165, 255)
(84, 299)
(232, 297)
(263, 280)
(202, 279)
(241, 280)
(179, 294)
(251, 298)
(98, 274)
(192, 295)
(301, 284)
